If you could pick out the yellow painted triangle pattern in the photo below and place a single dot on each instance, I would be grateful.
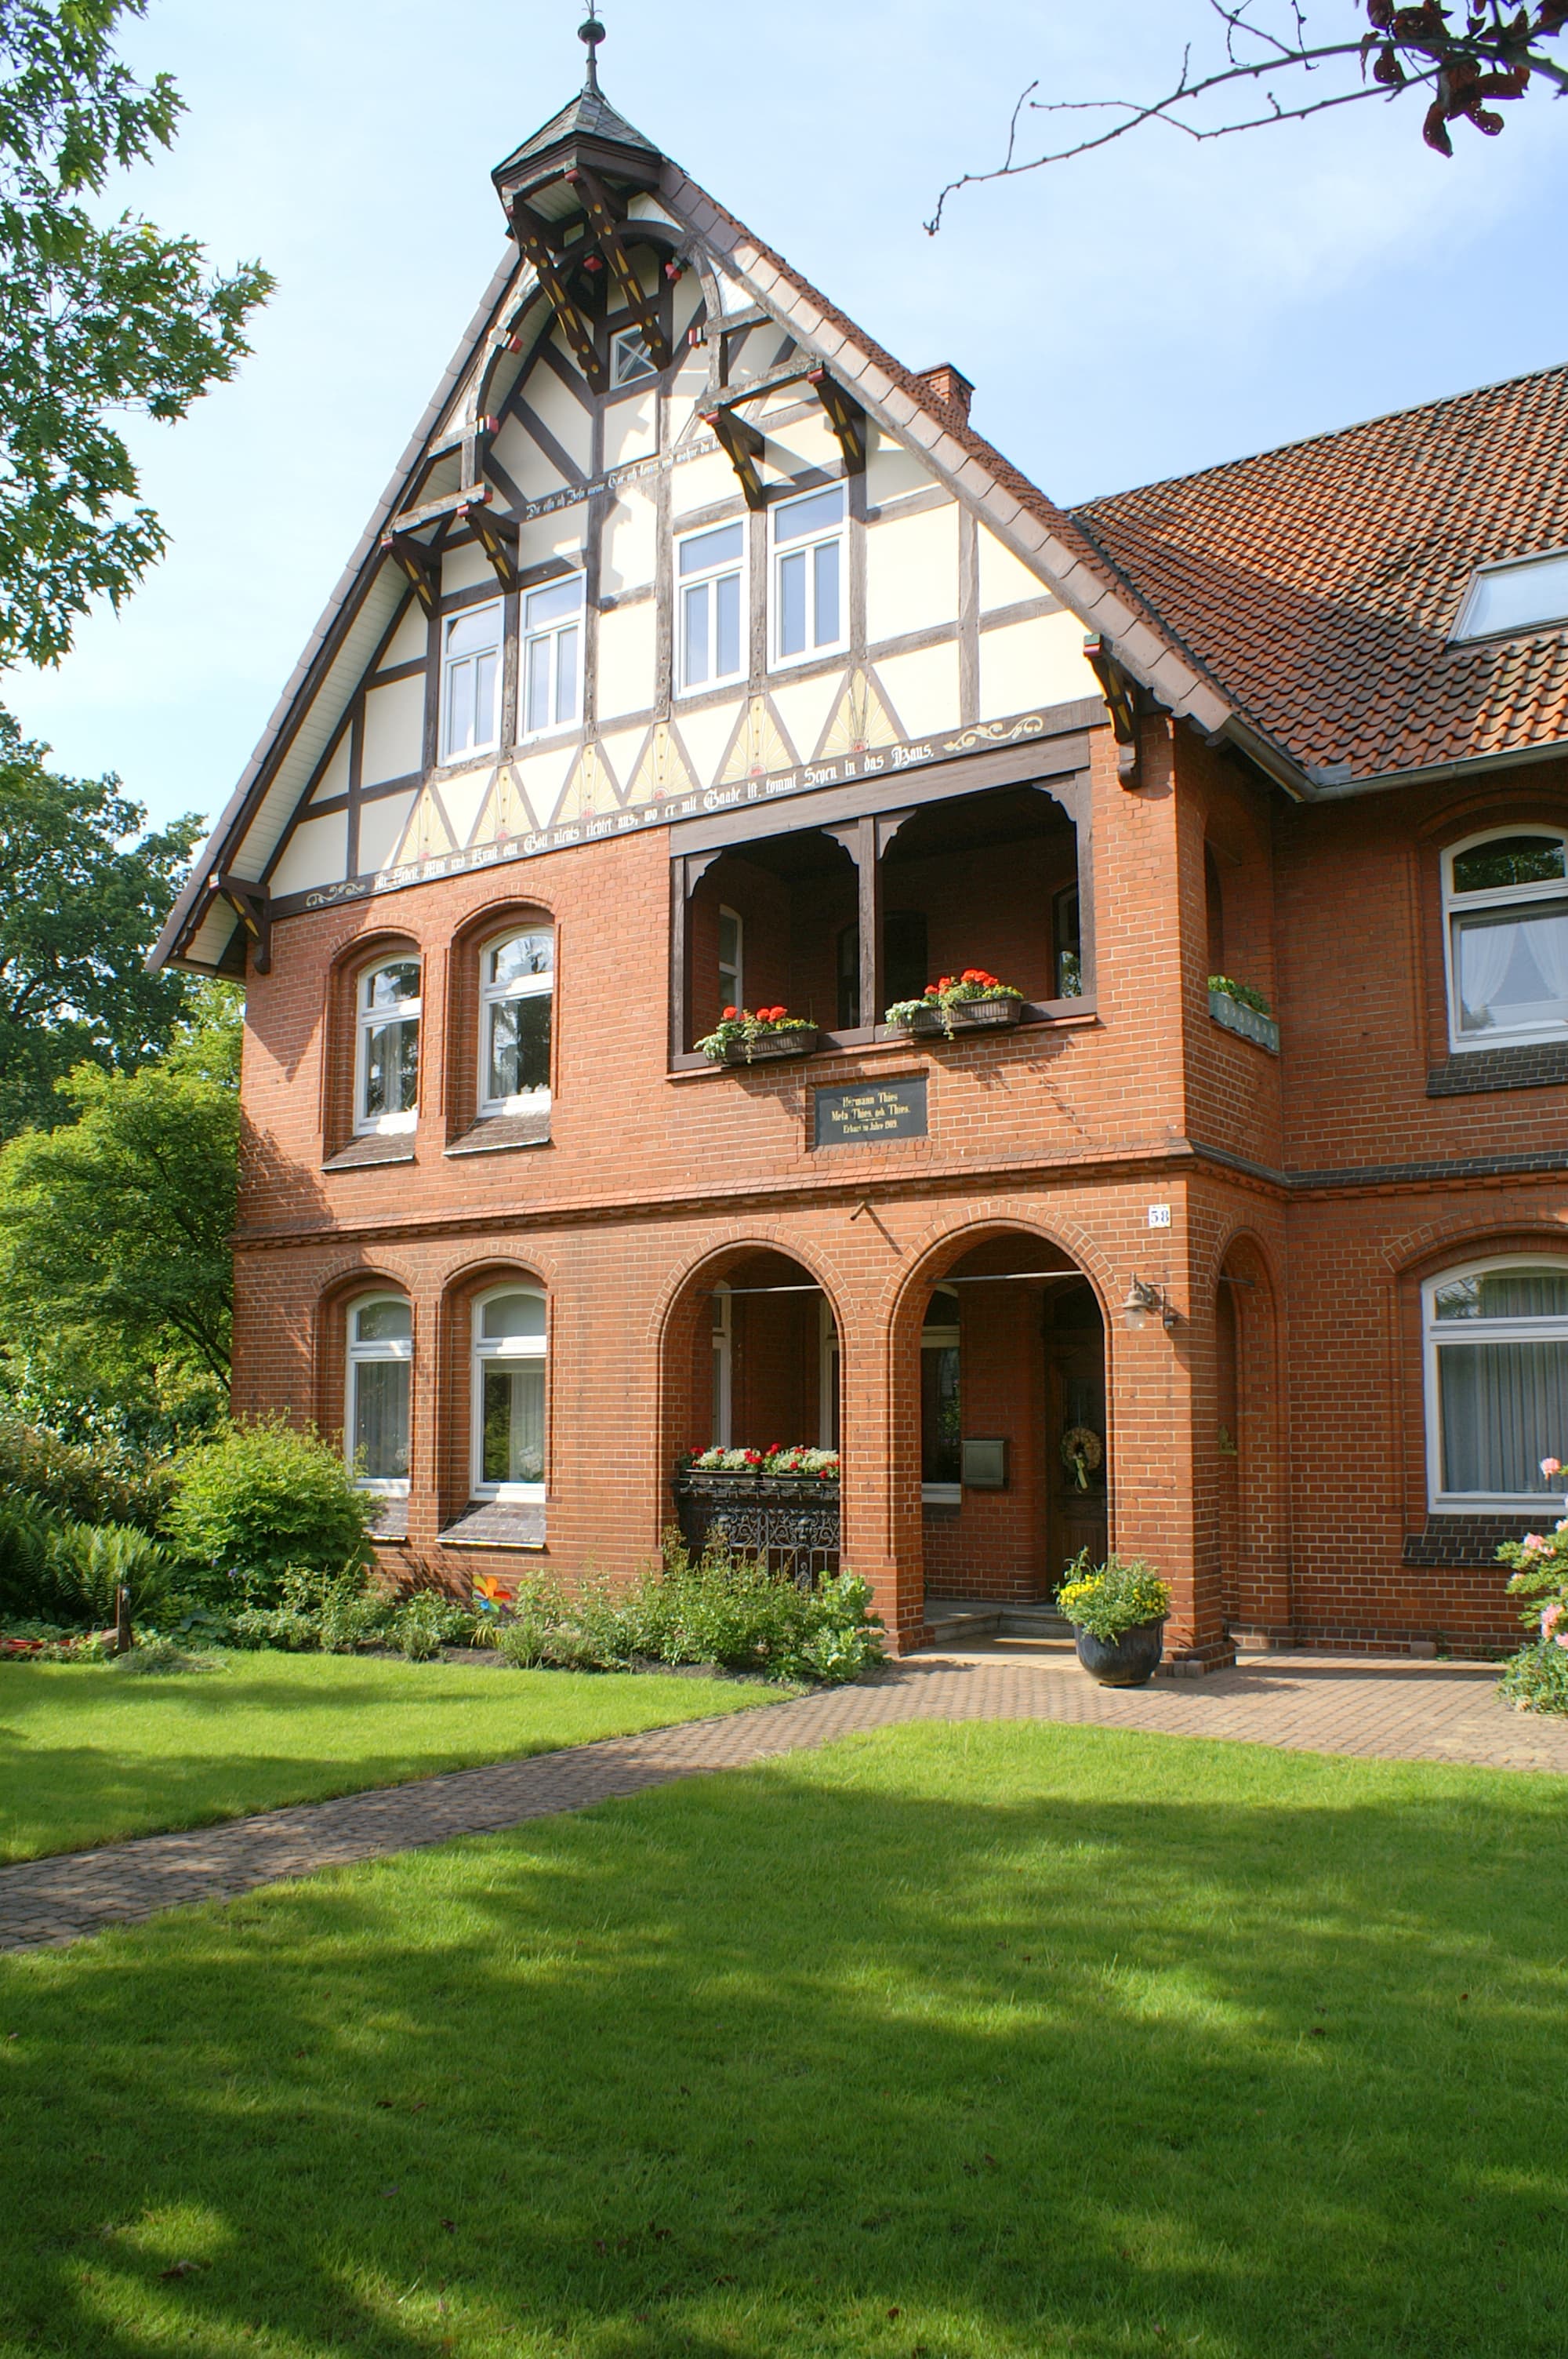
(506, 811)
(863, 719)
(661, 769)
(427, 835)
(589, 790)
(760, 745)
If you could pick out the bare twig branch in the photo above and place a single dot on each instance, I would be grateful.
(1491, 58)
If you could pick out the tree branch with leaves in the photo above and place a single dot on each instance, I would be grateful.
(1466, 60)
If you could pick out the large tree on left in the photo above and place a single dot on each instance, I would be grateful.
(102, 317)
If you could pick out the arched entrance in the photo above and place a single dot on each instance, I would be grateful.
(1014, 1454)
(1246, 1453)
(753, 1371)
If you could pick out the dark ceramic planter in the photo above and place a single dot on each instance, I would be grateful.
(799, 1042)
(997, 1013)
(1129, 1661)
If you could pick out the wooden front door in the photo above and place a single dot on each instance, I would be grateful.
(1076, 1470)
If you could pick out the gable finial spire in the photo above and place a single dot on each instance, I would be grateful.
(591, 32)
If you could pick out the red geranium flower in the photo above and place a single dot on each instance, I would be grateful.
(731, 1014)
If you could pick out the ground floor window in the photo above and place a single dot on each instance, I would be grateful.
(380, 1359)
(1496, 1382)
(941, 1446)
(509, 1347)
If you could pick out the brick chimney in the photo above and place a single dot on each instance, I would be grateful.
(950, 385)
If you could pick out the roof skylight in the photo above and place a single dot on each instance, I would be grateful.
(1522, 596)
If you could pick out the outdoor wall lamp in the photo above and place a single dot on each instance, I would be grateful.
(1142, 1300)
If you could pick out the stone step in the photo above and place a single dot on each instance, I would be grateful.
(1036, 1622)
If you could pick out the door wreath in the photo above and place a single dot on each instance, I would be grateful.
(1083, 1454)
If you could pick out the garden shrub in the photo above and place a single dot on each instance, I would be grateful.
(536, 1607)
(732, 1612)
(1123, 1593)
(92, 1482)
(1536, 1678)
(29, 1588)
(92, 1562)
(261, 1500)
(428, 1621)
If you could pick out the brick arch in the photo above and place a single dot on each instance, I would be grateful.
(964, 1229)
(1477, 1227)
(1240, 1233)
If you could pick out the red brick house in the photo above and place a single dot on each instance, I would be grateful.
(699, 652)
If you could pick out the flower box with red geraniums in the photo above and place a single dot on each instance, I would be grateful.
(744, 1037)
(782, 1462)
(971, 1002)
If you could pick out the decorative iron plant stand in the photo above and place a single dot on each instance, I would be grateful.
(791, 1523)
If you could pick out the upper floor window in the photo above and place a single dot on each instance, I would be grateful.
(1497, 1383)
(630, 359)
(1521, 596)
(386, 1075)
(1506, 898)
(375, 1423)
(470, 680)
(509, 1346)
(809, 567)
(551, 655)
(732, 961)
(710, 566)
(518, 981)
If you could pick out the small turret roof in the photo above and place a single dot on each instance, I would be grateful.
(589, 115)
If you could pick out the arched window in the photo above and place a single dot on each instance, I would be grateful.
(1496, 1382)
(387, 1056)
(509, 1394)
(1506, 912)
(376, 1423)
(517, 983)
(941, 1429)
(723, 1318)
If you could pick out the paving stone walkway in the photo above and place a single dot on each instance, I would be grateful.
(1373, 1708)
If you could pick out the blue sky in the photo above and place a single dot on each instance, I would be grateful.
(1154, 308)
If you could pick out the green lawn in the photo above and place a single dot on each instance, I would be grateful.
(947, 2042)
(88, 1754)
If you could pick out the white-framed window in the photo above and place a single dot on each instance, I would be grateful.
(509, 1349)
(1497, 1383)
(551, 655)
(386, 1055)
(828, 1388)
(711, 571)
(470, 680)
(375, 1415)
(808, 575)
(516, 991)
(1506, 918)
(630, 359)
(941, 1429)
(731, 960)
(722, 1312)
(1524, 594)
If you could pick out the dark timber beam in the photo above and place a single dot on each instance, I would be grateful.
(538, 243)
(605, 215)
(845, 416)
(252, 905)
(497, 535)
(1121, 697)
(743, 446)
(420, 563)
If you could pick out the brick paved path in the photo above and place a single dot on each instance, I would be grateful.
(1374, 1708)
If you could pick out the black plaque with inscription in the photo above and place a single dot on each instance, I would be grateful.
(861, 1112)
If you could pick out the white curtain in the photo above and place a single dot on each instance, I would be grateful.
(1548, 947)
(1484, 952)
(1504, 1409)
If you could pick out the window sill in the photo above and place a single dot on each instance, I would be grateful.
(391, 1521)
(500, 1133)
(374, 1147)
(1527, 1065)
(495, 1524)
(882, 1039)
